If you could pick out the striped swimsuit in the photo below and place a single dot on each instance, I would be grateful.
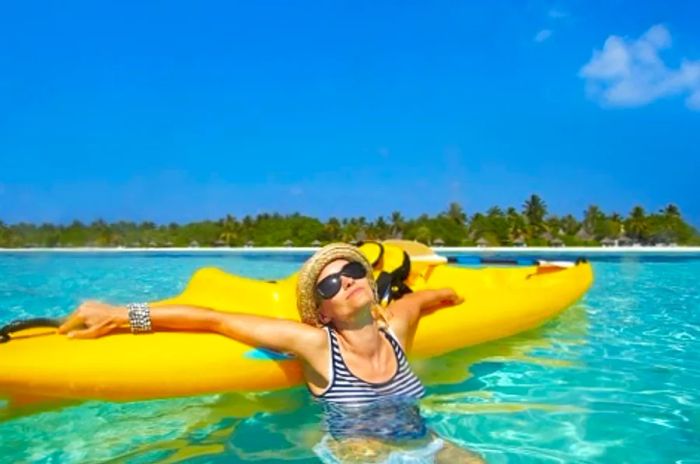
(346, 388)
(357, 408)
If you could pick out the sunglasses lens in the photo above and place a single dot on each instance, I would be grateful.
(329, 286)
(354, 270)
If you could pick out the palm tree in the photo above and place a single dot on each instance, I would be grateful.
(535, 210)
(516, 223)
(554, 225)
(616, 223)
(332, 230)
(423, 235)
(591, 217)
(456, 213)
(229, 233)
(637, 225)
(397, 224)
(349, 231)
(570, 225)
(671, 210)
(4, 234)
(497, 224)
(381, 228)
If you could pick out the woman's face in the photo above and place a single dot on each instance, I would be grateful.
(354, 295)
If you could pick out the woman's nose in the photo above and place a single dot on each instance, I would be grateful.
(346, 281)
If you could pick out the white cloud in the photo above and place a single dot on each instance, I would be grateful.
(543, 35)
(628, 73)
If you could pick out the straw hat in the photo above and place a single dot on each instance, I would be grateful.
(307, 299)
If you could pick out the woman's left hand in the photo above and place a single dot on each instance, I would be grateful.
(94, 319)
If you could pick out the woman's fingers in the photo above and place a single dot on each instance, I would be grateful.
(93, 331)
(92, 317)
(74, 320)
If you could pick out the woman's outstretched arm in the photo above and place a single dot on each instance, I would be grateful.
(406, 312)
(100, 319)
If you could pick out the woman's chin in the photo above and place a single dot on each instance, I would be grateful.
(360, 299)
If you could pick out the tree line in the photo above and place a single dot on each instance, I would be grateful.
(532, 225)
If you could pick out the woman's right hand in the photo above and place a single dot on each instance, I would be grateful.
(94, 319)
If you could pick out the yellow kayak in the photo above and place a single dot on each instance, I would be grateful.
(498, 302)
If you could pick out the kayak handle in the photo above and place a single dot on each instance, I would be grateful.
(23, 324)
(477, 260)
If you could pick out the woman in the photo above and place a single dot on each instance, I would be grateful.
(351, 351)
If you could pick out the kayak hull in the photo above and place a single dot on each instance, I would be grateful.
(498, 302)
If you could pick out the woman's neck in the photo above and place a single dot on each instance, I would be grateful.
(361, 337)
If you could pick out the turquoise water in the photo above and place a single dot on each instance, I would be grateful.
(614, 379)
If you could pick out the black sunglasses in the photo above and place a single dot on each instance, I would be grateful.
(330, 285)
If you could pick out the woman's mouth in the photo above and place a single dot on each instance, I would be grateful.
(353, 292)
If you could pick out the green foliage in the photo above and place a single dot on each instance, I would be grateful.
(453, 227)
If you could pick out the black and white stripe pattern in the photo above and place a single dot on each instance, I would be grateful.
(346, 388)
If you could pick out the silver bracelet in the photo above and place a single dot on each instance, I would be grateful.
(139, 317)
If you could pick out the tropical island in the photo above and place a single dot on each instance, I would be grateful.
(531, 226)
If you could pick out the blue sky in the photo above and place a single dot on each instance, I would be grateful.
(173, 111)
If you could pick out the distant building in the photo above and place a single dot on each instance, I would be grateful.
(482, 242)
(288, 243)
(556, 242)
(438, 242)
(607, 242)
(194, 244)
(315, 243)
(249, 244)
(519, 242)
(624, 241)
(583, 235)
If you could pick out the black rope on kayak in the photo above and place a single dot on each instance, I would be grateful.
(478, 260)
(23, 324)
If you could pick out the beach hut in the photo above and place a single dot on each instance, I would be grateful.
(194, 244)
(438, 242)
(169, 244)
(249, 244)
(482, 242)
(624, 241)
(316, 243)
(607, 242)
(153, 244)
(219, 243)
(288, 243)
(556, 242)
(583, 235)
(519, 242)
(135, 244)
